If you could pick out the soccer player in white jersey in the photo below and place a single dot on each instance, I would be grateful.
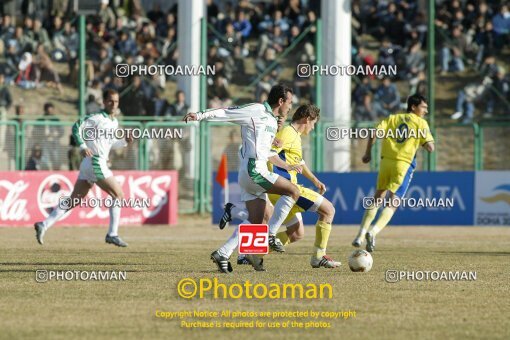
(97, 130)
(259, 124)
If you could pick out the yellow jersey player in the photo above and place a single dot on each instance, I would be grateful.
(288, 148)
(404, 134)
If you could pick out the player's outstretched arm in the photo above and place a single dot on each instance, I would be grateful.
(368, 151)
(429, 146)
(309, 174)
(77, 130)
(239, 115)
(277, 161)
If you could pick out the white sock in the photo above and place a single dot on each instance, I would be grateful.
(55, 215)
(239, 213)
(228, 248)
(114, 220)
(361, 233)
(281, 210)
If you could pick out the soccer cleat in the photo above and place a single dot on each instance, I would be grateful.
(358, 241)
(115, 240)
(222, 262)
(241, 259)
(39, 232)
(370, 242)
(256, 262)
(275, 244)
(227, 215)
(325, 261)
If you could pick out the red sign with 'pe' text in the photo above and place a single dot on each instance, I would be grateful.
(253, 239)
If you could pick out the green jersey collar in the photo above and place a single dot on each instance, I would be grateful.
(268, 109)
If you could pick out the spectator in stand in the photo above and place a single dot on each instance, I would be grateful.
(485, 42)
(91, 105)
(467, 97)
(66, 48)
(132, 103)
(362, 58)
(126, 46)
(73, 154)
(387, 53)
(419, 84)
(218, 94)
(7, 28)
(242, 25)
(34, 162)
(362, 98)
(161, 107)
(179, 108)
(387, 98)
(27, 72)
(5, 104)
(47, 73)
(232, 150)
(293, 13)
(40, 35)
(414, 61)
(50, 140)
(452, 52)
(106, 14)
(501, 23)
(498, 94)
(261, 64)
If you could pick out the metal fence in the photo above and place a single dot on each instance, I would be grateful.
(9, 146)
(196, 149)
(179, 153)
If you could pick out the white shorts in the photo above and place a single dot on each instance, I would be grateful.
(255, 179)
(93, 169)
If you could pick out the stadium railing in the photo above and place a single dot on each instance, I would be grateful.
(460, 147)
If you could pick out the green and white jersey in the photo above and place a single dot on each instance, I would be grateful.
(97, 133)
(258, 127)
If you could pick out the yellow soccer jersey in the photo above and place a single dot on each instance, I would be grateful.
(404, 134)
(289, 151)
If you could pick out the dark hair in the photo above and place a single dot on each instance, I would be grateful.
(108, 93)
(48, 105)
(277, 92)
(414, 100)
(306, 111)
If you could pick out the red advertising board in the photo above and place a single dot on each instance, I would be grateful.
(29, 196)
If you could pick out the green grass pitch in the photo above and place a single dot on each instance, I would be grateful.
(159, 257)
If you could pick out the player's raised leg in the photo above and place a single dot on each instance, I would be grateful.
(232, 211)
(289, 193)
(221, 256)
(382, 221)
(368, 217)
(80, 190)
(326, 213)
(113, 188)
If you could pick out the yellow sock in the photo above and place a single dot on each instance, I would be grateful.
(322, 231)
(368, 217)
(382, 221)
(282, 235)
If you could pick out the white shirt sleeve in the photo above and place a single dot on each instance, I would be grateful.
(238, 115)
(119, 144)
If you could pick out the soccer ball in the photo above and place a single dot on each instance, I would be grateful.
(360, 261)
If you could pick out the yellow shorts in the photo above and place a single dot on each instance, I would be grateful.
(394, 176)
(308, 200)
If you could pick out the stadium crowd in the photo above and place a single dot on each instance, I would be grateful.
(251, 35)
